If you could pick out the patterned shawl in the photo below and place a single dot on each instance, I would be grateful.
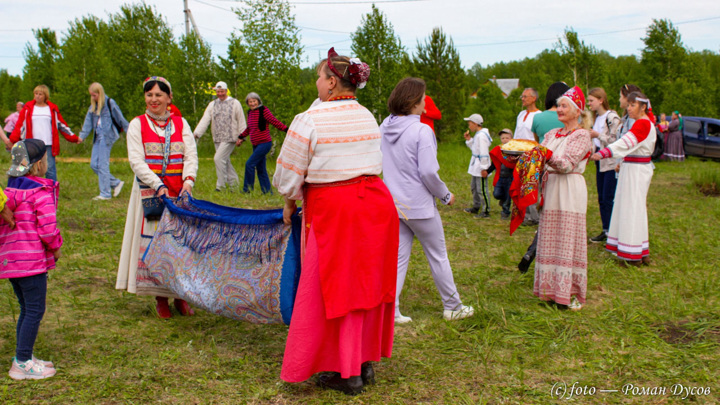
(238, 263)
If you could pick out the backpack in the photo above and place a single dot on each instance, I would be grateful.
(659, 146)
(117, 126)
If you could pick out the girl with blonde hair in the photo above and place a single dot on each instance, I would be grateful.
(105, 119)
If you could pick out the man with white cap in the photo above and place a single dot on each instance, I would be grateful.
(228, 121)
(480, 162)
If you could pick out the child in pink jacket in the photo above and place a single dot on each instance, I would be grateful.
(29, 250)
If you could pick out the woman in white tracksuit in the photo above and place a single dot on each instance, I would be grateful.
(410, 169)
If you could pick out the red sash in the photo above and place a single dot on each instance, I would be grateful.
(154, 145)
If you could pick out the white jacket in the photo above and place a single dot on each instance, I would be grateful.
(480, 147)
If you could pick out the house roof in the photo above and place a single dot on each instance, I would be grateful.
(506, 85)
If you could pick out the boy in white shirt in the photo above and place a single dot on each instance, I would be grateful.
(480, 162)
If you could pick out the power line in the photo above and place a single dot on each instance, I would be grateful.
(213, 5)
(319, 46)
(521, 41)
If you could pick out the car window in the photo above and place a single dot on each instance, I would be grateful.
(713, 130)
(693, 127)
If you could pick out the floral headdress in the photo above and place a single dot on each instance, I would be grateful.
(359, 70)
(158, 79)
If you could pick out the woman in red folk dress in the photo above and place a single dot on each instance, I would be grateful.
(561, 264)
(344, 310)
(163, 157)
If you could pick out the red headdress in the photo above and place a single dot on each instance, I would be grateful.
(576, 97)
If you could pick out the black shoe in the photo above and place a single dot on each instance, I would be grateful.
(482, 215)
(217, 190)
(524, 264)
(600, 238)
(471, 210)
(350, 386)
(367, 373)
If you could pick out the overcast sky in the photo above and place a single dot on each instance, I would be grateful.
(483, 31)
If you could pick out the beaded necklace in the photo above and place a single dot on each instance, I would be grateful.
(561, 135)
(339, 98)
(163, 117)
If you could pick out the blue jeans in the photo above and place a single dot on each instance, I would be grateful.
(31, 292)
(52, 170)
(606, 184)
(501, 192)
(256, 161)
(100, 163)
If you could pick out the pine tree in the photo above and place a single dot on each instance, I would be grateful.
(376, 44)
(438, 63)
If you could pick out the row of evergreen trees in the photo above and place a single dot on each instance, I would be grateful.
(265, 56)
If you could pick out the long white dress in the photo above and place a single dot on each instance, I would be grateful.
(628, 233)
(138, 230)
(561, 262)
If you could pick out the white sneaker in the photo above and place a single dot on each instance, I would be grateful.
(575, 305)
(30, 370)
(401, 319)
(463, 312)
(117, 189)
(100, 198)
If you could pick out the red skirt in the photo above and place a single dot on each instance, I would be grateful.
(344, 308)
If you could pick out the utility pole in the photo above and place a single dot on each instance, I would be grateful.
(189, 19)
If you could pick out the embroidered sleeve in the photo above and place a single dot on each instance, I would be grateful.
(295, 157)
(578, 148)
(629, 142)
(190, 156)
(605, 153)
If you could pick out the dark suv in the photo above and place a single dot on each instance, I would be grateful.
(701, 137)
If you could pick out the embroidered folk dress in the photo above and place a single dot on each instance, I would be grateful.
(132, 274)
(344, 307)
(628, 233)
(561, 263)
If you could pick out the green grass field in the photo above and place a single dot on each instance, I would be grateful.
(654, 326)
